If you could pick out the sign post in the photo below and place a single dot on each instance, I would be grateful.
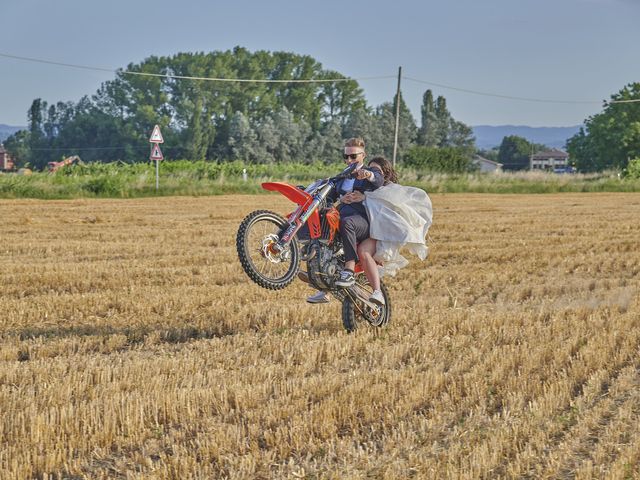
(156, 154)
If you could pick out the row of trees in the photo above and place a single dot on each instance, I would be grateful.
(611, 138)
(255, 122)
(260, 122)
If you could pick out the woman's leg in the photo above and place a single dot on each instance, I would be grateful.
(366, 251)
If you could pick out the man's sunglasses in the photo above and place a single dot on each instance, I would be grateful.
(352, 156)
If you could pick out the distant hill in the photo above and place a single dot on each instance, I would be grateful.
(488, 136)
(7, 130)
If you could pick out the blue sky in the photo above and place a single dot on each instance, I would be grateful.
(574, 50)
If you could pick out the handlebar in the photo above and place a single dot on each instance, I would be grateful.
(347, 172)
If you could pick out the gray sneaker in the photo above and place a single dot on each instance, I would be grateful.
(346, 279)
(377, 297)
(318, 297)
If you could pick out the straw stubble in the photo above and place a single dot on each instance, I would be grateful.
(132, 345)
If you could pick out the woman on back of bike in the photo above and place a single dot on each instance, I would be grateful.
(399, 217)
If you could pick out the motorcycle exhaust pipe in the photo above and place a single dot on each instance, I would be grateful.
(305, 257)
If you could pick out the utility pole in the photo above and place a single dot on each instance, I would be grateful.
(395, 135)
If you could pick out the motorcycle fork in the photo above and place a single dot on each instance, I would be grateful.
(300, 217)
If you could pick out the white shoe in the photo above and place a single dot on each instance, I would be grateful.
(377, 297)
(318, 297)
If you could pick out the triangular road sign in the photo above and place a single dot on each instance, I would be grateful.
(156, 136)
(156, 153)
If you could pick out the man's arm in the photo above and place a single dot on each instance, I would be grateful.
(378, 178)
(373, 176)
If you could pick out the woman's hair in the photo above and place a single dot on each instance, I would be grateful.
(355, 142)
(389, 173)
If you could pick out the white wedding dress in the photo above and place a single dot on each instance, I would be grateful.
(399, 217)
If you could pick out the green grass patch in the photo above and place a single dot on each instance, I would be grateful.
(182, 177)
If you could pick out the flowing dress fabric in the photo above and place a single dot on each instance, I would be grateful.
(399, 217)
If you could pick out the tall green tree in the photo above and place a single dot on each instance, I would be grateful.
(460, 136)
(610, 138)
(514, 153)
(443, 121)
(38, 154)
(407, 129)
(340, 99)
(197, 114)
(18, 145)
(292, 137)
(439, 128)
(364, 124)
(328, 142)
(243, 141)
(197, 144)
(427, 134)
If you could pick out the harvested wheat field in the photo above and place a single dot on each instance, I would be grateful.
(133, 345)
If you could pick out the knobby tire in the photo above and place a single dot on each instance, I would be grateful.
(271, 283)
(352, 318)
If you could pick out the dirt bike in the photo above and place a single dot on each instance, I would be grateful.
(270, 250)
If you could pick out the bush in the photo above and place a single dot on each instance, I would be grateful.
(444, 160)
(633, 169)
(105, 186)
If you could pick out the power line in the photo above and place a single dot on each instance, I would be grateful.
(511, 97)
(122, 147)
(52, 149)
(185, 77)
(326, 80)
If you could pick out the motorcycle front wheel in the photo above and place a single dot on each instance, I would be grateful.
(255, 241)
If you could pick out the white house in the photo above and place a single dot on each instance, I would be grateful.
(549, 160)
(485, 165)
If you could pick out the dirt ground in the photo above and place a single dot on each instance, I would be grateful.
(132, 345)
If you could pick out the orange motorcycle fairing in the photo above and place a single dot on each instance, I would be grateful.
(333, 219)
(300, 197)
(293, 193)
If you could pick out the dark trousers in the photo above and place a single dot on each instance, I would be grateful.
(354, 228)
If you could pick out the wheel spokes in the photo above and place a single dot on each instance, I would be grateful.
(260, 236)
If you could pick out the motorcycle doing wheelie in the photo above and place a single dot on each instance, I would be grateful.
(270, 250)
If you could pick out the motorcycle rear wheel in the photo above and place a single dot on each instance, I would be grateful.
(353, 318)
(270, 269)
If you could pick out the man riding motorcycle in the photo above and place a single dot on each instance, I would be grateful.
(354, 222)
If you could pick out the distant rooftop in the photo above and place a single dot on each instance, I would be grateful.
(555, 153)
(478, 158)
